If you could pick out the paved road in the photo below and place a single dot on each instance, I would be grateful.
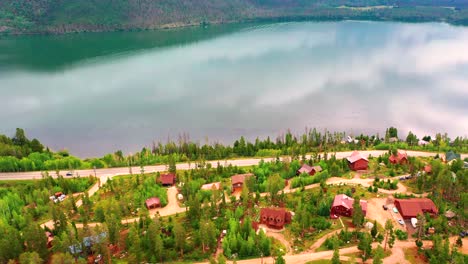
(183, 166)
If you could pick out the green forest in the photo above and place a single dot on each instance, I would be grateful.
(18, 153)
(54, 16)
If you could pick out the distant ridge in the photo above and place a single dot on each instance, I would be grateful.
(62, 16)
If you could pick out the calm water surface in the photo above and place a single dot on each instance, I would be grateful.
(95, 93)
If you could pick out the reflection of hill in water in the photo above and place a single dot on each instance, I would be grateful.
(45, 53)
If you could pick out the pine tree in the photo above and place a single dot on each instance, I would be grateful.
(36, 240)
(358, 215)
(179, 237)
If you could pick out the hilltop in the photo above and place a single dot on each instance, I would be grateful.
(58, 16)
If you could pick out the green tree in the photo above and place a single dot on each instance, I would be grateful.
(134, 245)
(374, 230)
(336, 256)
(155, 241)
(388, 231)
(411, 139)
(30, 258)
(274, 184)
(365, 245)
(207, 235)
(358, 214)
(35, 240)
(62, 258)
(379, 254)
(179, 237)
(393, 132)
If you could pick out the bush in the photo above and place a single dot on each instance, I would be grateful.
(401, 235)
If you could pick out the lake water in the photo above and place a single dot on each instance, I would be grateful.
(99, 92)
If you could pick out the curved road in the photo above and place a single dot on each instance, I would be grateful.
(186, 166)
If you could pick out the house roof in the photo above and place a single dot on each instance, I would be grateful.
(415, 206)
(168, 178)
(305, 168)
(428, 168)
(240, 178)
(355, 156)
(211, 186)
(347, 202)
(280, 215)
(400, 156)
(450, 155)
(153, 201)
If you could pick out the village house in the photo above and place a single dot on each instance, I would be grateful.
(211, 186)
(411, 208)
(238, 180)
(167, 179)
(153, 203)
(400, 158)
(427, 169)
(343, 206)
(311, 170)
(275, 217)
(357, 162)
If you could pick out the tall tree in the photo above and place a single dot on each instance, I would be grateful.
(35, 240)
(365, 245)
(155, 241)
(336, 256)
(30, 258)
(274, 184)
(134, 245)
(179, 237)
(207, 235)
(379, 254)
(358, 214)
(388, 230)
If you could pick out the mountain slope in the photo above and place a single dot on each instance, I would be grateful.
(60, 16)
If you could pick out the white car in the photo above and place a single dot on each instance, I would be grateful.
(401, 222)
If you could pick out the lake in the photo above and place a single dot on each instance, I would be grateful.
(96, 93)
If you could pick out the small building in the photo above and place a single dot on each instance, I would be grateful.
(343, 206)
(423, 143)
(167, 179)
(238, 180)
(311, 170)
(400, 158)
(410, 208)
(427, 169)
(357, 162)
(450, 155)
(153, 203)
(211, 186)
(275, 217)
(50, 239)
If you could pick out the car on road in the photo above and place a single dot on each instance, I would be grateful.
(384, 207)
(395, 210)
(69, 174)
(463, 234)
(401, 222)
(402, 178)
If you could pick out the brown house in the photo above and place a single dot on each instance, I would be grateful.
(311, 170)
(167, 179)
(153, 203)
(211, 186)
(238, 180)
(400, 158)
(275, 217)
(343, 206)
(410, 208)
(357, 162)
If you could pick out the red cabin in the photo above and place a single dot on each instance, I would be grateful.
(410, 208)
(238, 180)
(153, 203)
(357, 162)
(275, 217)
(167, 179)
(400, 158)
(343, 206)
(311, 170)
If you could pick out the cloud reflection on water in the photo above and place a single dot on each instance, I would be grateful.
(348, 76)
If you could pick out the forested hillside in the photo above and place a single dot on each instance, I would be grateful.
(60, 16)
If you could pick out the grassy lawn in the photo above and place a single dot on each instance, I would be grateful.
(412, 256)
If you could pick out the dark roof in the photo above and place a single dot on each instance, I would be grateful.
(168, 178)
(355, 156)
(275, 216)
(450, 155)
(347, 202)
(415, 206)
(305, 168)
(240, 178)
(153, 201)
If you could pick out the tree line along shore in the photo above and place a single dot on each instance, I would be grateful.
(58, 17)
(19, 153)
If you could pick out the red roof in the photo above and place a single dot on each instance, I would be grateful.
(398, 158)
(428, 169)
(355, 156)
(305, 168)
(240, 178)
(152, 202)
(275, 217)
(347, 202)
(167, 179)
(413, 207)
